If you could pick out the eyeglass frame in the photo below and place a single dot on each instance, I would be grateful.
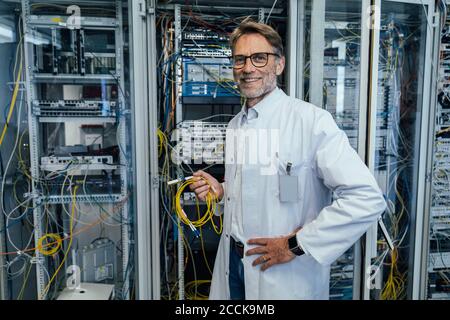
(250, 57)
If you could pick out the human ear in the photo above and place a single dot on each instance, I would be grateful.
(280, 65)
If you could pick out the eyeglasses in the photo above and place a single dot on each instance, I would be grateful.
(258, 59)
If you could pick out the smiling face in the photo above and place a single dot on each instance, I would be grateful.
(255, 83)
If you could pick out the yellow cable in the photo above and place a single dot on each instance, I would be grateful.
(13, 100)
(52, 250)
(211, 201)
(203, 245)
(162, 141)
(189, 288)
(22, 289)
(68, 247)
(21, 162)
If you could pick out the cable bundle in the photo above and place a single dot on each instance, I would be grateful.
(211, 205)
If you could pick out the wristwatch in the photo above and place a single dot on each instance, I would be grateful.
(294, 247)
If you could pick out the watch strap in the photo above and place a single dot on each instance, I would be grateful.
(294, 247)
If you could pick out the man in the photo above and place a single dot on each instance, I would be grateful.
(283, 230)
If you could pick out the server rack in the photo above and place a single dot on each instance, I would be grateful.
(403, 100)
(431, 273)
(74, 79)
(390, 134)
(195, 55)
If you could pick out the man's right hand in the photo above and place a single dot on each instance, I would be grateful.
(201, 188)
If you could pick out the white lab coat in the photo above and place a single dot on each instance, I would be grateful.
(338, 201)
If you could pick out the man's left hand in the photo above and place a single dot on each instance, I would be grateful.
(273, 251)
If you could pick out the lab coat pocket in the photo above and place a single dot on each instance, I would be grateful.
(288, 188)
(287, 182)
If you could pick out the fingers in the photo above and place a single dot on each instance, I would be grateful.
(203, 174)
(272, 250)
(264, 259)
(201, 190)
(202, 196)
(216, 194)
(259, 241)
(268, 264)
(198, 173)
(259, 260)
(258, 250)
(203, 184)
(199, 177)
(198, 184)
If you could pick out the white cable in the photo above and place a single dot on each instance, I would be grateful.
(53, 218)
(12, 152)
(270, 12)
(8, 215)
(12, 243)
(99, 206)
(99, 214)
(13, 275)
(64, 205)
(216, 116)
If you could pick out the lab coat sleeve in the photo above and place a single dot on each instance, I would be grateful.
(220, 206)
(358, 201)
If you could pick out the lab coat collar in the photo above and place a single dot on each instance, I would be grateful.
(263, 108)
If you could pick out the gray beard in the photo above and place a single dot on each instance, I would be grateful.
(262, 91)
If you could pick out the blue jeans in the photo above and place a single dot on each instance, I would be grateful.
(236, 276)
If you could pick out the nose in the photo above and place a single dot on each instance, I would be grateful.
(248, 66)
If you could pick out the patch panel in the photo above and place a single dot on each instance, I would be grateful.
(207, 71)
(205, 52)
(74, 108)
(440, 218)
(53, 163)
(204, 34)
(202, 141)
(90, 198)
(94, 184)
(439, 261)
(208, 77)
